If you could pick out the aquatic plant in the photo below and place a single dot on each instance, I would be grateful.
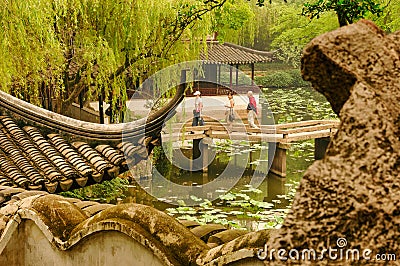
(235, 207)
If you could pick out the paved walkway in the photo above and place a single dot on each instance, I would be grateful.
(214, 106)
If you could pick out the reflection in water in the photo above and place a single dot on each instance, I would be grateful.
(238, 211)
(256, 167)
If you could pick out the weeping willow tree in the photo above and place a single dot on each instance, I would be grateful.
(67, 49)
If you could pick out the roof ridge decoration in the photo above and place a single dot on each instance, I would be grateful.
(42, 118)
(270, 54)
(234, 54)
(64, 227)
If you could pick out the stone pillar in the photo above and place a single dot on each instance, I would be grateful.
(200, 150)
(196, 149)
(277, 159)
(320, 147)
(252, 74)
(205, 155)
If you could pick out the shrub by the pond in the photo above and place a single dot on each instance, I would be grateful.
(282, 79)
(106, 192)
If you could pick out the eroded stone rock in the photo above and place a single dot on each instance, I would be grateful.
(354, 192)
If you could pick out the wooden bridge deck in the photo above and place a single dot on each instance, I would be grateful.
(278, 137)
(281, 133)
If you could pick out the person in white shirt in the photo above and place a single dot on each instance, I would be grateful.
(230, 116)
(198, 107)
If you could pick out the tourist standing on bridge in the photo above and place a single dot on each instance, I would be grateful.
(198, 107)
(251, 109)
(230, 116)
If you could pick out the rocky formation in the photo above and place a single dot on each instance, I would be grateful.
(351, 198)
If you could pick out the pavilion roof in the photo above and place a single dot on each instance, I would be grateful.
(229, 53)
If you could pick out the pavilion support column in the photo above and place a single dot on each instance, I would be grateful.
(320, 146)
(230, 77)
(219, 74)
(237, 75)
(81, 99)
(43, 92)
(252, 74)
(218, 77)
(277, 158)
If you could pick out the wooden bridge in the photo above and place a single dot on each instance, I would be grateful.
(279, 137)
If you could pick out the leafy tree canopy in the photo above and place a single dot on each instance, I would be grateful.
(347, 11)
(67, 47)
(282, 27)
(390, 18)
(292, 32)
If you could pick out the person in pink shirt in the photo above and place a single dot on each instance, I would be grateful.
(251, 109)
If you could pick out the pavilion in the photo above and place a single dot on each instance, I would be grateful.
(220, 56)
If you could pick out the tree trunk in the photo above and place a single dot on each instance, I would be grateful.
(342, 19)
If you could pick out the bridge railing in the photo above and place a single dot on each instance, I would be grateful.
(283, 133)
(279, 137)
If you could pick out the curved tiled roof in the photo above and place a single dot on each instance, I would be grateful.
(229, 53)
(34, 115)
(42, 150)
(32, 160)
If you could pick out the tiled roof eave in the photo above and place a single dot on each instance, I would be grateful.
(234, 55)
(32, 160)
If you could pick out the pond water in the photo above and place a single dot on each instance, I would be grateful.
(242, 205)
(236, 191)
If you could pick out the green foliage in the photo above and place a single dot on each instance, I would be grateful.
(281, 27)
(347, 11)
(231, 17)
(293, 32)
(233, 207)
(282, 79)
(298, 80)
(106, 192)
(390, 19)
(166, 169)
(300, 104)
(158, 155)
(94, 46)
(276, 79)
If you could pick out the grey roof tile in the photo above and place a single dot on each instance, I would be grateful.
(228, 53)
(32, 160)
